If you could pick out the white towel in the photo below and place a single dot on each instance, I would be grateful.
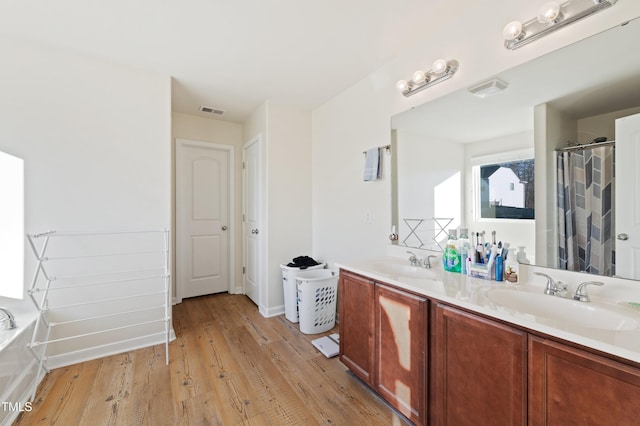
(372, 169)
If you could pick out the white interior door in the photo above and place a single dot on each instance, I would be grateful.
(627, 208)
(202, 218)
(251, 219)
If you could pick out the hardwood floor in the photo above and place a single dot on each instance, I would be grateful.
(228, 366)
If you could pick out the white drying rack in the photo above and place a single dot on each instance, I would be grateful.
(436, 227)
(138, 260)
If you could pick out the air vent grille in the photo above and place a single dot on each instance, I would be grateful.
(488, 88)
(211, 110)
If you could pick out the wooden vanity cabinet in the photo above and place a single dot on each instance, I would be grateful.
(401, 351)
(356, 309)
(570, 386)
(479, 369)
(427, 357)
(383, 341)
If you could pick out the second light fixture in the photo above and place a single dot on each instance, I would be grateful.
(552, 16)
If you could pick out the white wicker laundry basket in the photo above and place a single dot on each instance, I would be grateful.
(317, 297)
(289, 274)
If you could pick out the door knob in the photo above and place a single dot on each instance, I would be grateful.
(623, 237)
(254, 231)
(224, 227)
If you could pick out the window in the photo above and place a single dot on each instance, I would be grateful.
(11, 225)
(504, 186)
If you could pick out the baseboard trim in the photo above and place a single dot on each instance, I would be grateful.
(271, 312)
(63, 360)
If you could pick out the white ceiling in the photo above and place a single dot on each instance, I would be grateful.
(236, 54)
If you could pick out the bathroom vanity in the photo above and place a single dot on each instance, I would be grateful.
(447, 349)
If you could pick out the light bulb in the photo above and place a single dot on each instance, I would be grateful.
(418, 77)
(512, 31)
(439, 66)
(549, 12)
(402, 85)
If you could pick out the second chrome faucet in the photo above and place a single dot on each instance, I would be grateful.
(558, 288)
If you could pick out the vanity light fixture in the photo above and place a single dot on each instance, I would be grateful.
(551, 17)
(440, 70)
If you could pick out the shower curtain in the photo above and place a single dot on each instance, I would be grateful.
(586, 194)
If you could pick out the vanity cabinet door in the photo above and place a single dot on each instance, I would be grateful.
(357, 325)
(480, 370)
(401, 351)
(572, 386)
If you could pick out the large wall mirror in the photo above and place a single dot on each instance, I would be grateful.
(446, 152)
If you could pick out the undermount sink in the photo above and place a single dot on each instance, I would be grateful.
(565, 311)
(405, 270)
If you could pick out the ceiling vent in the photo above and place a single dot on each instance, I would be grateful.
(488, 88)
(210, 110)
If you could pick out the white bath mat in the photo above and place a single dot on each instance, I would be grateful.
(328, 345)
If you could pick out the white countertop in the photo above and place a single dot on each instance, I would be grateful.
(471, 293)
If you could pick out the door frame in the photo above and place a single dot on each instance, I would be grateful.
(262, 260)
(626, 133)
(180, 144)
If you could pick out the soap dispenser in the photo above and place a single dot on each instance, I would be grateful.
(451, 257)
(522, 256)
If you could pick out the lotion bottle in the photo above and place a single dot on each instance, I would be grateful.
(512, 267)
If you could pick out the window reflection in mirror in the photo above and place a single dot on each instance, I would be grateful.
(503, 187)
(506, 190)
(11, 226)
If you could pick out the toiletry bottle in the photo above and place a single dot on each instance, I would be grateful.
(499, 268)
(464, 248)
(450, 258)
(512, 267)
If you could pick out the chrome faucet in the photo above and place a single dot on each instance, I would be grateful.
(427, 261)
(581, 292)
(413, 259)
(553, 288)
(9, 322)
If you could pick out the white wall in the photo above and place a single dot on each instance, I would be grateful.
(552, 129)
(342, 129)
(590, 128)
(359, 117)
(95, 138)
(289, 167)
(286, 179)
(429, 185)
(203, 129)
